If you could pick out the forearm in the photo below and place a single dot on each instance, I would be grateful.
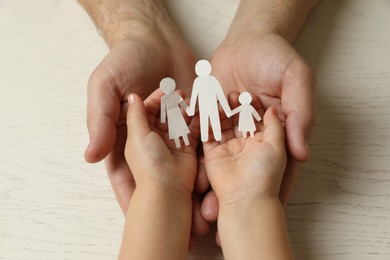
(284, 17)
(254, 230)
(157, 225)
(121, 19)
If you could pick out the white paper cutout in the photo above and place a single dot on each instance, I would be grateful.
(208, 91)
(247, 112)
(170, 109)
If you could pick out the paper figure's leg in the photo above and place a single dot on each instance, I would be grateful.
(177, 142)
(243, 134)
(216, 126)
(204, 128)
(252, 133)
(185, 139)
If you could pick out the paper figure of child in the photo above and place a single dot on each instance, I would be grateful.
(247, 112)
(170, 108)
(207, 89)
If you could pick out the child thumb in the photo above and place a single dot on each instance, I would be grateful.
(137, 123)
(273, 132)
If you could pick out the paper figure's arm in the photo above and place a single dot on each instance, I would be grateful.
(222, 99)
(181, 101)
(183, 104)
(255, 114)
(163, 114)
(194, 96)
(235, 111)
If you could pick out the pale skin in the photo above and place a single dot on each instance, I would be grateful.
(245, 174)
(141, 38)
(158, 220)
(257, 56)
(257, 53)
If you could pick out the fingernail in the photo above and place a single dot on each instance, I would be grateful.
(131, 98)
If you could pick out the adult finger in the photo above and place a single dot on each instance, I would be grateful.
(153, 102)
(298, 107)
(209, 207)
(103, 107)
(121, 178)
(289, 179)
(199, 226)
(233, 102)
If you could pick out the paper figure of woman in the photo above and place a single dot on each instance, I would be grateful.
(171, 103)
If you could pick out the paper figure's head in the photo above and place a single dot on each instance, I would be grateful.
(203, 68)
(245, 98)
(167, 85)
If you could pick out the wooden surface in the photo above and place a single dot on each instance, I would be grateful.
(53, 205)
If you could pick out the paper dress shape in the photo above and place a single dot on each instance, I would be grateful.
(246, 123)
(171, 103)
(208, 92)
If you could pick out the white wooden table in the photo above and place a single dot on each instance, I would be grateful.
(53, 205)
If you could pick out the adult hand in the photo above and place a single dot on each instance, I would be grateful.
(266, 65)
(133, 65)
(145, 48)
(257, 56)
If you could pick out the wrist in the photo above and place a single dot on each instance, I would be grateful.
(250, 196)
(258, 228)
(119, 20)
(233, 215)
(166, 224)
(282, 17)
(165, 190)
(238, 220)
(170, 200)
(238, 208)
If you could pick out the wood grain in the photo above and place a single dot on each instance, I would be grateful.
(53, 205)
(340, 209)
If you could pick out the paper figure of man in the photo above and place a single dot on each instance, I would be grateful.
(246, 123)
(171, 103)
(209, 92)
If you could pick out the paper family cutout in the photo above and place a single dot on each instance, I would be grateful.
(208, 92)
(171, 103)
(247, 112)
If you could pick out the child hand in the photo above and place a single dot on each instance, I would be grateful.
(247, 168)
(160, 209)
(154, 160)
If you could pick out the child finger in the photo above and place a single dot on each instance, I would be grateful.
(137, 122)
(274, 131)
(152, 102)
